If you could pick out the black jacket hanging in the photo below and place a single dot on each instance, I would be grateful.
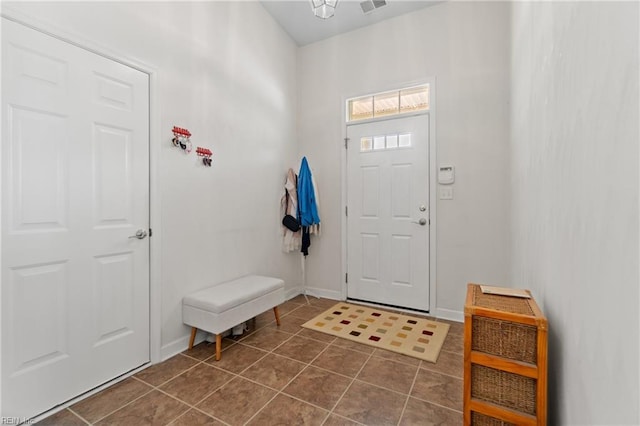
(306, 240)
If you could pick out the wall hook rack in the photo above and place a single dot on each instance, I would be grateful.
(205, 154)
(181, 139)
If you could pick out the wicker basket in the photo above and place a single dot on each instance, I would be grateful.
(478, 419)
(505, 360)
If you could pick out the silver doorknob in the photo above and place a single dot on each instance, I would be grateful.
(140, 234)
(421, 222)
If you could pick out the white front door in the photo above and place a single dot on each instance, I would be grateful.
(388, 212)
(75, 187)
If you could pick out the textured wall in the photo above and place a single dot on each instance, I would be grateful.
(226, 71)
(574, 166)
(465, 46)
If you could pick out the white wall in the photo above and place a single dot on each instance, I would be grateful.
(226, 71)
(465, 46)
(574, 157)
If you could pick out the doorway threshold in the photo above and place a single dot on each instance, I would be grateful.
(394, 307)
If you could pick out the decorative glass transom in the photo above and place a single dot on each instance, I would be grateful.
(388, 103)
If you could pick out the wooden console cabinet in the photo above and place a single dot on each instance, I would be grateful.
(505, 360)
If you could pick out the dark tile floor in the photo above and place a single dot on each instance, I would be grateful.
(284, 375)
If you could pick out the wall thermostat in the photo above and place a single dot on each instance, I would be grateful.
(446, 175)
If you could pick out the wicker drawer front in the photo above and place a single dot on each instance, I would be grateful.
(505, 359)
(478, 419)
(506, 389)
(504, 338)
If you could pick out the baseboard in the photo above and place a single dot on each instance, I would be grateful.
(292, 292)
(321, 292)
(450, 315)
(313, 292)
(180, 345)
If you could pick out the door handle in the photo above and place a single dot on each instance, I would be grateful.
(421, 222)
(140, 234)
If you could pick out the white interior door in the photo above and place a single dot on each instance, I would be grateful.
(388, 212)
(75, 187)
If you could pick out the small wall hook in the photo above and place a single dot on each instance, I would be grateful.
(206, 154)
(181, 138)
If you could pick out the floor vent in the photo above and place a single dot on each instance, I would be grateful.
(369, 6)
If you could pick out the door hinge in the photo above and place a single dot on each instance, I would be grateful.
(150, 232)
(346, 143)
(346, 277)
(346, 210)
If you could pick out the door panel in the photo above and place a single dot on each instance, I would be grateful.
(387, 182)
(39, 289)
(37, 184)
(112, 177)
(401, 260)
(401, 191)
(113, 301)
(75, 176)
(370, 257)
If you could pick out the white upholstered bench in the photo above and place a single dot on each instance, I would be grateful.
(220, 307)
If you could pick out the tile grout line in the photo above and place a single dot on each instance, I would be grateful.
(173, 377)
(152, 388)
(437, 405)
(178, 418)
(200, 410)
(194, 406)
(353, 379)
(239, 375)
(79, 416)
(443, 374)
(380, 387)
(128, 403)
(157, 388)
(279, 392)
(406, 402)
(234, 376)
(399, 361)
(207, 395)
(191, 406)
(342, 417)
(248, 366)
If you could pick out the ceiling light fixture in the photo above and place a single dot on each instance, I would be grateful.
(324, 8)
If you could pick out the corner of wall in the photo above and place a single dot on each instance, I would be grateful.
(449, 314)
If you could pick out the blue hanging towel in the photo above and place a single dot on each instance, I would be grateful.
(308, 214)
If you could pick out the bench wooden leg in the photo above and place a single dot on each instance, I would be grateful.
(218, 347)
(277, 314)
(193, 337)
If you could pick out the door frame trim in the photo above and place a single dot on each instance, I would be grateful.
(431, 114)
(155, 242)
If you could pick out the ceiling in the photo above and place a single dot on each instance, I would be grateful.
(298, 20)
